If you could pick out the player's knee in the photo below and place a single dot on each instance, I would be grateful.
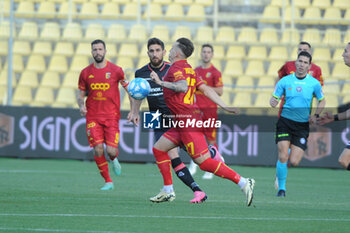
(342, 162)
(99, 150)
(294, 162)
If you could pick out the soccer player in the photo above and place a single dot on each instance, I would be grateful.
(292, 128)
(344, 158)
(155, 99)
(102, 108)
(179, 86)
(211, 77)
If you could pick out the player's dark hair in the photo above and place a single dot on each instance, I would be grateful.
(209, 46)
(98, 41)
(305, 54)
(186, 46)
(153, 41)
(305, 43)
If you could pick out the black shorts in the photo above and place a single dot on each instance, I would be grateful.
(295, 132)
(348, 146)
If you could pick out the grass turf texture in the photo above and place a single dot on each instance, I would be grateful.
(64, 196)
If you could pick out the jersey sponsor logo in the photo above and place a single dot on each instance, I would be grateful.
(208, 74)
(91, 76)
(108, 75)
(299, 89)
(311, 72)
(100, 86)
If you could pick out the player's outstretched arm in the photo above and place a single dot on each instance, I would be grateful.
(179, 86)
(274, 101)
(213, 96)
(81, 102)
(328, 117)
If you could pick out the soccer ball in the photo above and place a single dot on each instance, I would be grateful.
(139, 88)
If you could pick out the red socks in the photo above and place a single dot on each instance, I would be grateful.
(102, 165)
(220, 169)
(164, 165)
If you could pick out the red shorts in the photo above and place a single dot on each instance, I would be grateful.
(193, 140)
(210, 133)
(102, 131)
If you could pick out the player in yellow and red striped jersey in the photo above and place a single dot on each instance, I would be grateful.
(100, 81)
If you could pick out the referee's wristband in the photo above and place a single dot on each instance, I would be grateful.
(317, 115)
(336, 117)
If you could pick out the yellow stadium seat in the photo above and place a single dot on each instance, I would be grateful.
(235, 52)
(110, 11)
(142, 62)
(128, 50)
(163, 2)
(22, 95)
(340, 71)
(161, 32)
(50, 79)
(337, 55)
(278, 53)
(332, 37)
(154, 11)
(64, 48)
(233, 68)
(271, 14)
(263, 100)
(79, 62)
(138, 32)
(71, 79)
(242, 99)
(204, 34)
(312, 15)
(58, 63)
(44, 95)
(144, 50)
(5, 9)
(120, 1)
(125, 62)
(288, 14)
(21, 47)
(217, 63)
(244, 83)
(346, 98)
(226, 35)
(302, 3)
(94, 31)
(50, 31)
(46, 10)
(125, 104)
(29, 78)
(174, 12)
(257, 53)
(313, 36)
(204, 2)
(65, 10)
(341, 4)
(143, 2)
(42, 48)
(345, 90)
(111, 50)
(89, 10)
(269, 36)
(274, 66)
(290, 36)
(247, 35)
(332, 101)
(255, 68)
(3, 47)
(219, 52)
(25, 9)
(331, 88)
(324, 68)
(66, 96)
(72, 31)
(116, 32)
(323, 4)
(347, 35)
(29, 31)
(4, 78)
(183, 2)
(83, 48)
(130, 11)
(5, 29)
(321, 54)
(3, 95)
(332, 16)
(181, 31)
(17, 63)
(36, 62)
(279, 3)
(196, 13)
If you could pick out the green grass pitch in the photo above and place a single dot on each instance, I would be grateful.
(63, 196)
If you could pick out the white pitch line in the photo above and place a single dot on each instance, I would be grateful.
(177, 217)
(54, 230)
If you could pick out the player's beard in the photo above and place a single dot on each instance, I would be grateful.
(154, 62)
(97, 60)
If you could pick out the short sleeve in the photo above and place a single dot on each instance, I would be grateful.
(176, 75)
(279, 89)
(82, 82)
(318, 91)
(199, 81)
(121, 78)
(218, 79)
